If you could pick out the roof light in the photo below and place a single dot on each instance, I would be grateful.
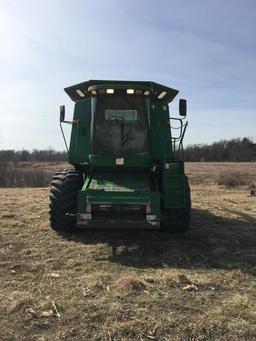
(110, 91)
(94, 92)
(80, 93)
(101, 92)
(130, 91)
(162, 94)
(146, 93)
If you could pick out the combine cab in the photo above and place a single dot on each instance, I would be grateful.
(128, 169)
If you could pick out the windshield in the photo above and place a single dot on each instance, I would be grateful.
(120, 126)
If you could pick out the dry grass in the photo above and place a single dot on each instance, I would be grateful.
(210, 172)
(39, 174)
(28, 174)
(115, 285)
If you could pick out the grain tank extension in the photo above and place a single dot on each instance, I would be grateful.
(128, 168)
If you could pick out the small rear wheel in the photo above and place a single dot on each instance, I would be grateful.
(178, 220)
(63, 199)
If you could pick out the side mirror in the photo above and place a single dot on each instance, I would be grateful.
(183, 107)
(62, 113)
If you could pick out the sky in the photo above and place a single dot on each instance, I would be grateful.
(206, 49)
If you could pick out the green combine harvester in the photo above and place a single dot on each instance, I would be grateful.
(128, 168)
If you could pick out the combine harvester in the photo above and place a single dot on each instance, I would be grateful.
(128, 169)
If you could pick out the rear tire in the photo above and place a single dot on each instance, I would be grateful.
(63, 199)
(178, 220)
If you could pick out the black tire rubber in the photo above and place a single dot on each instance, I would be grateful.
(63, 199)
(178, 220)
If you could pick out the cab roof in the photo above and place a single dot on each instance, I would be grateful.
(81, 91)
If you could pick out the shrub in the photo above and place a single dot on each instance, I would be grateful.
(11, 176)
(231, 179)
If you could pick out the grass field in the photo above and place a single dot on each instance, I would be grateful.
(117, 285)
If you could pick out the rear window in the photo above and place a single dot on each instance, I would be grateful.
(125, 116)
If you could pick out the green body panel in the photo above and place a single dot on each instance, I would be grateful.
(160, 134)
(124, 179)
(173, 184)
(119, 197)
(128, 161)
(119, 188)
(81, 133)
(119, 182)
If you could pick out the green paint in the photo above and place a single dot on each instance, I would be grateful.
(116, 182)
(126, 179)
(81, 133)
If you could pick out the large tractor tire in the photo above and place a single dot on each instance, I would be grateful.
(178, 220)
(63, 199)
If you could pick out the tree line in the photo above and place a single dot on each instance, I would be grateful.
(238, 149)
(34, 155)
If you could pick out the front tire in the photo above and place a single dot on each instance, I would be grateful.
(63, 199)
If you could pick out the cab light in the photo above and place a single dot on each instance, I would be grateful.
(130, 91)
(162, 94)
(146, 93)
(110, 91)
(80, 93)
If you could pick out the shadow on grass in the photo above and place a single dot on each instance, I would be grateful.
(212, 242)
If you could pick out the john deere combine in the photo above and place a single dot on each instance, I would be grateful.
(128, 169)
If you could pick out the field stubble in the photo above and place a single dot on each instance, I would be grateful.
(115, 285)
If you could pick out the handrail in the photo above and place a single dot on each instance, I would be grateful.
(177, 142)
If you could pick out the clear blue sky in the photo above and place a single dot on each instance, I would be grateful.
(204, 48)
